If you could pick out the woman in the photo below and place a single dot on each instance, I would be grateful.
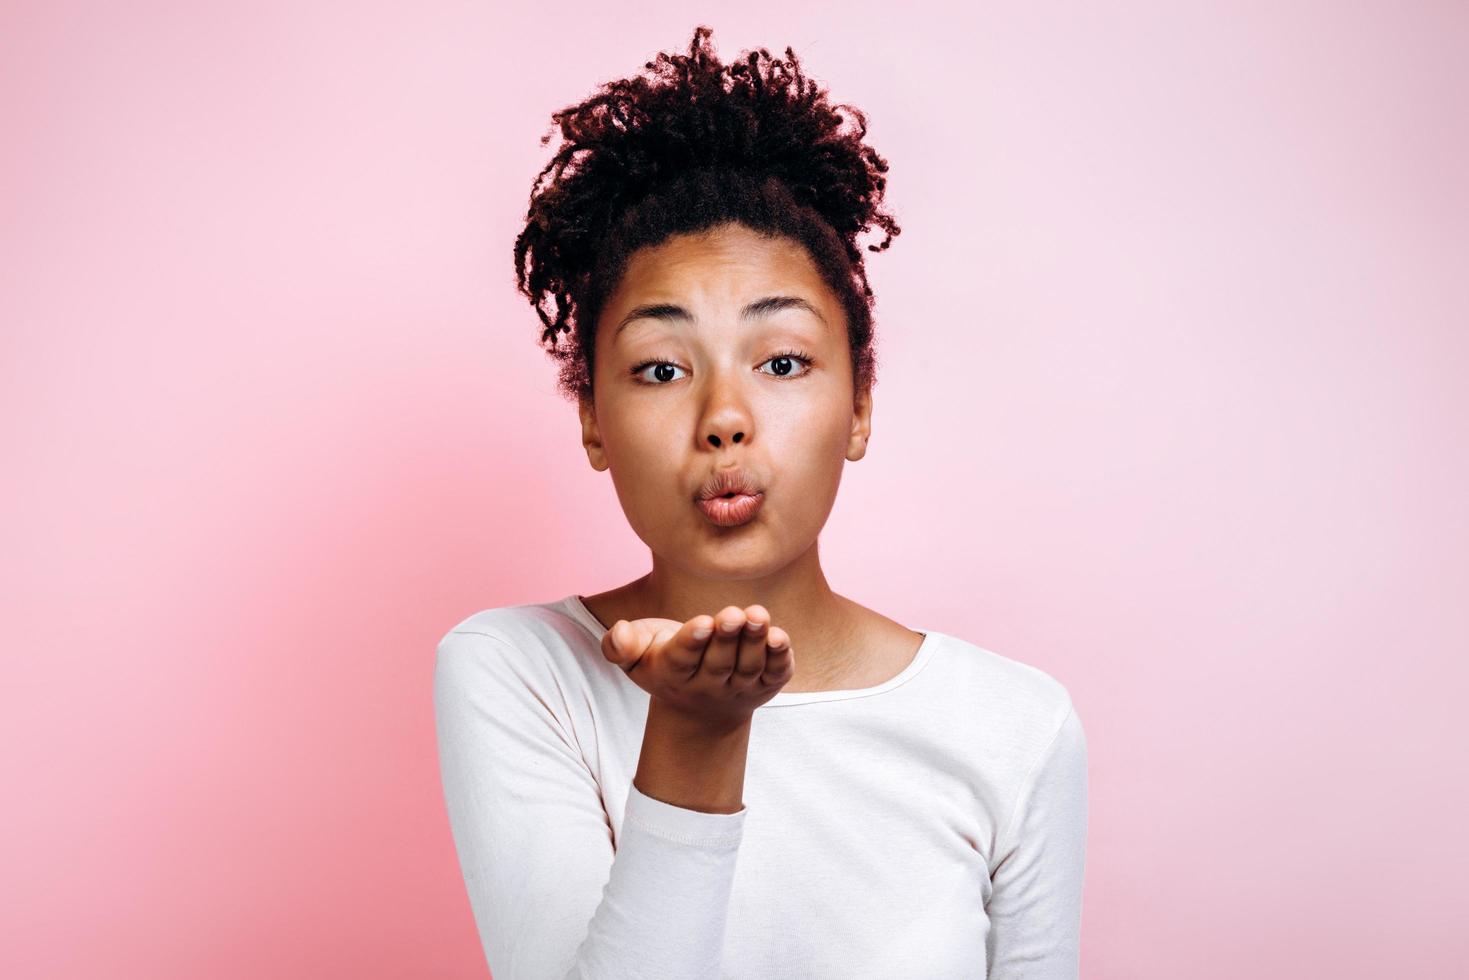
(746, 775)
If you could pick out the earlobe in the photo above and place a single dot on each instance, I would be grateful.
(861, 425)
(595, 456)
(591, 438)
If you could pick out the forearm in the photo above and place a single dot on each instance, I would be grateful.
(555, 890)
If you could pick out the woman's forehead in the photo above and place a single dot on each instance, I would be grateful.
(731, 269)
(720, 245)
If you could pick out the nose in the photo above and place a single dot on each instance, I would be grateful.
(726, 416)
(715, 439)
(725, 423)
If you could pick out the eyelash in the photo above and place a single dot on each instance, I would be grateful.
(793, 353)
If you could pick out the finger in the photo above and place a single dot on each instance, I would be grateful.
(723, 649)
(780, 662)
(622, 645)
(687, 646)
(750, 661)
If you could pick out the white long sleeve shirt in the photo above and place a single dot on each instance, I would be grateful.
(932, 826)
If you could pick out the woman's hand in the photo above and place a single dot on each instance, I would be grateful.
(699, 669)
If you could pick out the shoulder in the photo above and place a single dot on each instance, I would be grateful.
(509, 622)
(541, 627)
(1008, 699)
(530, 646)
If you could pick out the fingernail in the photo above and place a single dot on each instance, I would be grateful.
(702, 632)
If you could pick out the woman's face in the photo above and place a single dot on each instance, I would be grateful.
(732, 391)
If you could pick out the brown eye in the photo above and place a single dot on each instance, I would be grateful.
(661, 372)
(785, 362)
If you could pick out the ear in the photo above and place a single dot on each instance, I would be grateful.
(591, 434)
(861, 424)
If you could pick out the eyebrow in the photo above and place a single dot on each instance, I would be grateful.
(672, 313)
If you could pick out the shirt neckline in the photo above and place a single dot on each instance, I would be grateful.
(578, 610)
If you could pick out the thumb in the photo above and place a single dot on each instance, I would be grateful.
(624, 641)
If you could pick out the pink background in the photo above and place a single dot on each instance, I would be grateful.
(1172, 406)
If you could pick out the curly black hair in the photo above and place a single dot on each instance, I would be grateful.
(695, 145)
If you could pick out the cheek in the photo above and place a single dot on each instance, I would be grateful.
(817, 433)
(641, 438)
(812, 451)
(644, 458)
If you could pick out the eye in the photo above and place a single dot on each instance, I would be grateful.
(788, 356)
(661, 374)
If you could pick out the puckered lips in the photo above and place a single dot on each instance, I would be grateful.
(730, 497)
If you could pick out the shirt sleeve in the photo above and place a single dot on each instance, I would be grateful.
(1035, 905)
(551, 896)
